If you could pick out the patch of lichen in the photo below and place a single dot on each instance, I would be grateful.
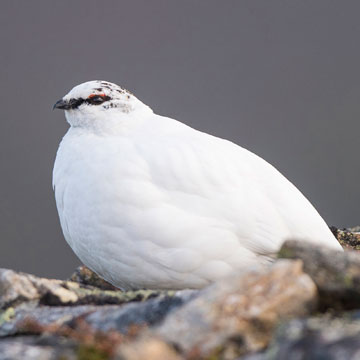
(216, 354)
(91, 288)
(347, 239)
(7, 315)
(97, 296)
(348, 281)
(91, 352)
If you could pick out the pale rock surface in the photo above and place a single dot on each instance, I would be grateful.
(238, 315)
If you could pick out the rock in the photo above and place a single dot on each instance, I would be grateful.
(335, 273)
(33, 348)
(100, 318)
(147, 313)
(348, 238)
(81, 332)
(85, 276)
(42, 315)
(95, 296)
(315, 338)
(264, 313)
(19, 287)
(52, 309)
(238, 315)
(149, 349)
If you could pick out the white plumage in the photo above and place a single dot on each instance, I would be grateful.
(148, 202)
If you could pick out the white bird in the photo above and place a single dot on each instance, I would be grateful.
(148, 202)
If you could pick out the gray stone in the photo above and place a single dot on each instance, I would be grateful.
(34, 348)
(321, 337)
(335, 273)
(43, 315)
(100, 318)
(147, 313)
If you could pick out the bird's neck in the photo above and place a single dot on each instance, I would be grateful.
(109, 122)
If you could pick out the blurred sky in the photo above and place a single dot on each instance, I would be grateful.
(280, 78)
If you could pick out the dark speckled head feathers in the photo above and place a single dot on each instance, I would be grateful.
(99, 105)
(96, 93)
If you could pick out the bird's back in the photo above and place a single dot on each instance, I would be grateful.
(238, 182)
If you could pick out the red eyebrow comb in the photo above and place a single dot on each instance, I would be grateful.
(93, 95)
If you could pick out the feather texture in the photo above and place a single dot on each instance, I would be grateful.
(148, 202)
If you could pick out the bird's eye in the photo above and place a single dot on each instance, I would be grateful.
(97, 99)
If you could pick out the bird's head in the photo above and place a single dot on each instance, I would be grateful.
(98, 104)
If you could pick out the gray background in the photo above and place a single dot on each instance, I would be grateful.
(278, 77)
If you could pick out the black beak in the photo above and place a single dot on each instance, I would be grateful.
(63, 105)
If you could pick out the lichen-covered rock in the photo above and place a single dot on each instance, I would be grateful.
(322, 337)
(238, 315)
(147, 313)
(19, 287)
(348, 238)
(99, 318)
(335, 273)
(83, 275)
(42, 315)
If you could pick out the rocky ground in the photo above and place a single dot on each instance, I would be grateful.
(306, 305)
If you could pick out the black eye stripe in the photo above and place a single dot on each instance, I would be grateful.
(75, 103)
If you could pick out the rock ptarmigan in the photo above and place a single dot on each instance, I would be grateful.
(148, 202)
